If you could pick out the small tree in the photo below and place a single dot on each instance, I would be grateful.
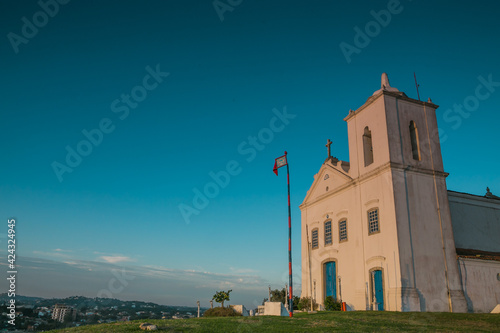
(221, 296)
(278, 295)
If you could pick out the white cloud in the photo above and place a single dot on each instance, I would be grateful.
(116, 259)
(242, 270)
(150, 283)
(61, 250)
(56, 254)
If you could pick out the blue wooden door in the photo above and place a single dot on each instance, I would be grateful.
(330, 279)
(378, 290)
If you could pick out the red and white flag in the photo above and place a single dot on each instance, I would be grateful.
(279, 162)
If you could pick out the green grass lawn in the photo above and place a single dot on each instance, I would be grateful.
(359, 321)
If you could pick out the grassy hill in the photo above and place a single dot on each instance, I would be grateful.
(319, 322)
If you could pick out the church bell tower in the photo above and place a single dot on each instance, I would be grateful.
(392, 131)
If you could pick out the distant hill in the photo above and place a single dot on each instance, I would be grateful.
(22, 299)
(35, 312)
(79, 302)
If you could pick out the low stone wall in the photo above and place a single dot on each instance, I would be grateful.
(240, 309)
(481, 284)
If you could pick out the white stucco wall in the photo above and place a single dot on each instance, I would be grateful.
(476, 221)
(481, 284)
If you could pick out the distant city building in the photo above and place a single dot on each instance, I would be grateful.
(61, 310)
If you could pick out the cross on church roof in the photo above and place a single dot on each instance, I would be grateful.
(328, 144)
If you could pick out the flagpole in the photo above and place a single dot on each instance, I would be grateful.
(278, 163)
(290, 294)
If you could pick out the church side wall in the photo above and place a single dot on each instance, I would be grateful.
(481, 283)
(454, 283)
(424, 222)
(476, 222)
(422, 234)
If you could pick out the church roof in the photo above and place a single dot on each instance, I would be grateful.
(386, 89)
(334, 174)
(478, 254)
(385, 85)
(488, 194)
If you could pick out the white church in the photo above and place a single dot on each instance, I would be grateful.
(382, 232)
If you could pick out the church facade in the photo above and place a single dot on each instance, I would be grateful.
(382, 232)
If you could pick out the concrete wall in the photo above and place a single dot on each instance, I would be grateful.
(481, 284)
(240, 309)
(275, 309)
(476, 221)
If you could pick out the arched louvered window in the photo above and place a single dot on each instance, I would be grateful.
(342, 230)
(415, 148)
(328, 232)
(367, 146)
(314, 239)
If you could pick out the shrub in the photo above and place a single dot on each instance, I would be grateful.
(305, 303)
(331, 304)
(221, 312)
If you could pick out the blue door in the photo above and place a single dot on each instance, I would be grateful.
(330, 279)
(378, 290)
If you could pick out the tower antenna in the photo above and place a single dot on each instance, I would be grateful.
(416, 85)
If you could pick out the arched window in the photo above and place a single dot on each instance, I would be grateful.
(415, 149)
(342, 230)
(367, 146)
(328, 232)
(314, 239)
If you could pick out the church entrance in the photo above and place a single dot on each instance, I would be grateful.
(330, 279)
(377, 290)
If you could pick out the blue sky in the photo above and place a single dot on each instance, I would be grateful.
(88, 65)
